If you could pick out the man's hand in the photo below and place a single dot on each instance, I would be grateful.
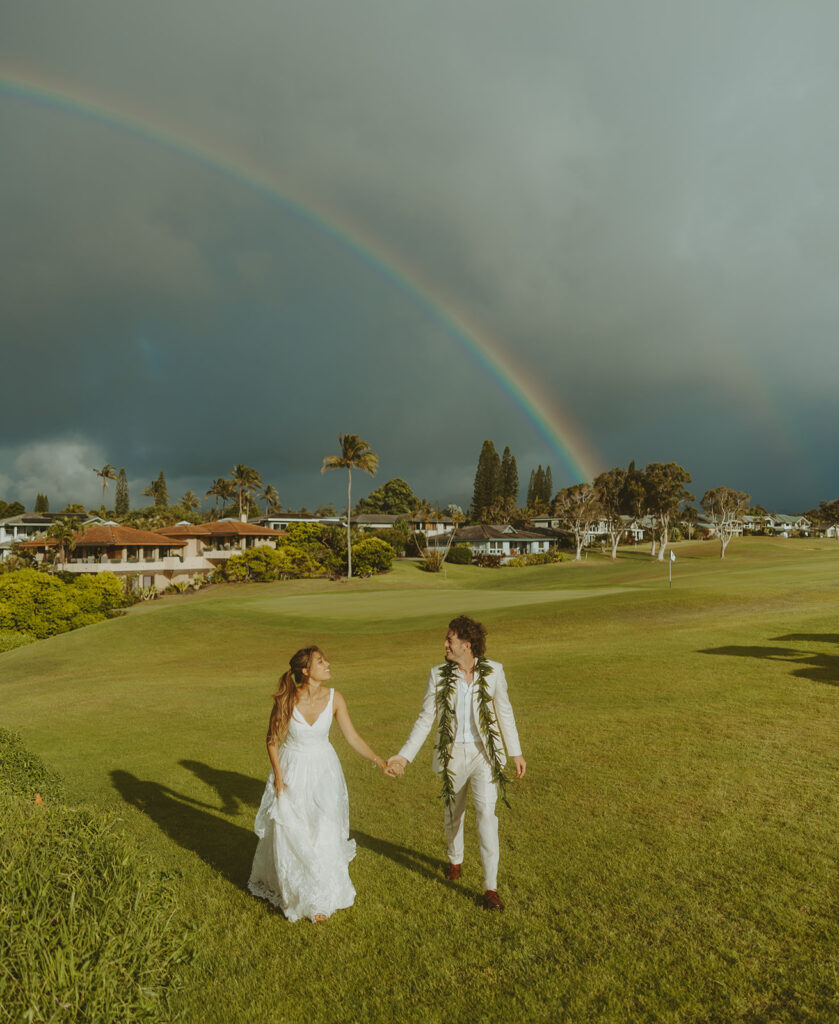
(521, 766)
(396, 765)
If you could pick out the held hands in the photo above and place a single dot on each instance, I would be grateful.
(396, 766)
(382, 765)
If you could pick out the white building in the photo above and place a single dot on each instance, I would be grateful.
(157, 558)
(16, 529)
(503, 540)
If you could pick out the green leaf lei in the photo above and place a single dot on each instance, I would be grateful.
(444, 699)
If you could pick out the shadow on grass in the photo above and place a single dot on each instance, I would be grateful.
(820, 668)
(420, 863)
(229, 848)
(226, 847)
(233, 788)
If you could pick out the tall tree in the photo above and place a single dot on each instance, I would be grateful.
(161, 491)
(725, 508)
(247, 482)
(42, 503)
(530, 501)
(355, 454)
(63, 532)
(509, 477)
(122, 504)
(666, 493)
(222, 490)
(487, 474)
(635, 493)
(548, 486)
(577, 508)
(393, 498)
(270, 495)
(106, 473)
(190, 501)
(611, 490)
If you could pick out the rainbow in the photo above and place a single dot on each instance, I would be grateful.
(565, 441)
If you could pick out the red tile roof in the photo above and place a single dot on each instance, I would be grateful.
(218, 528)
(109, 536)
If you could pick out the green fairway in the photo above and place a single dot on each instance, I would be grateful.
(670, 856)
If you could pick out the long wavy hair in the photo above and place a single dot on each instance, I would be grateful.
(286, 695)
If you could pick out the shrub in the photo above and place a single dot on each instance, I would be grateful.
(433, 561)
(177, 587)
(540, 558)
(371, 556)
(88, 930)
(11, 638)
(262, 564)
(488, 561)
(24, 774)
(460, 554)
(296, 562)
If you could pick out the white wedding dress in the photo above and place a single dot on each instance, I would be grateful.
(300, 864)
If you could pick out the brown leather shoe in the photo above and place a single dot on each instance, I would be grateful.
(492, 901)
(452, 872)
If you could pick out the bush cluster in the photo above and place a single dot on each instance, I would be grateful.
(34, 604)
(542, 558)
(488, 561)
(88, 930)
(309, 550)
(23, 773)
(460, 554)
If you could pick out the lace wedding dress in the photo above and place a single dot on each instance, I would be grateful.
(300, 864)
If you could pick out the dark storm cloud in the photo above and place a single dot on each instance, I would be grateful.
(637, 200)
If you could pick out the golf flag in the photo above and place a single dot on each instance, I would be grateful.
(672, 555)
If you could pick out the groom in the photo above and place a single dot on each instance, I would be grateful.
(467, 697)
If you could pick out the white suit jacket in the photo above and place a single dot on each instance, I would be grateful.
(502, 712)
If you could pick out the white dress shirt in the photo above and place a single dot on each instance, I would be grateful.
(467, 728)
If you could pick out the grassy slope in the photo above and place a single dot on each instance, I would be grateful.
(670, 856)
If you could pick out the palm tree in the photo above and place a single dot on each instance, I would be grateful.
(190, 501)
(106, 473)
(355, 454)
(63, 532)
(246, 480)
(271, 499)
(221, 491)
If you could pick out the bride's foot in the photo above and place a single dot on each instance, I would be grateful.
(320, 918)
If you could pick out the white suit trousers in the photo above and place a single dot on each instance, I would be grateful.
(469, 764)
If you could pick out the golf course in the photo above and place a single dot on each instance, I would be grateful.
(671, 854)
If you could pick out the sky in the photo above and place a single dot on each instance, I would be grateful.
(594, 232)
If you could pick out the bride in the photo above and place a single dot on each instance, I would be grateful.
(301, 860)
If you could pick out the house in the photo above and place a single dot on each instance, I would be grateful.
(16, 529)
(503, 540)
(734, 527)
(214, 542)
(430, 524)
(632, 529)
(281, 520)
(420, 522)
(122, 550)
(375, 520)
(172, 554)
(786, 526)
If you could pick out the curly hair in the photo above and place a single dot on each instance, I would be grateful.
(465, 628)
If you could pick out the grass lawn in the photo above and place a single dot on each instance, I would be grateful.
(670, 856)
